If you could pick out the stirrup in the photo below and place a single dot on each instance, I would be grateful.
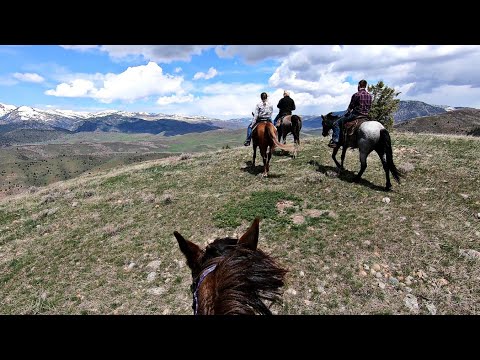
(332, 144)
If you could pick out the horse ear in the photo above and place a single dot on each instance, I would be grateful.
(250, 238)
(191, 251)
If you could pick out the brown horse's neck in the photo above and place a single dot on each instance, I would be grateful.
(240, 283)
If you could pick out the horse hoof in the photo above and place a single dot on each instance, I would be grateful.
(356, 179)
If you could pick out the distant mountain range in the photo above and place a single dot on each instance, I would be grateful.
(14, 118)
(66, 121)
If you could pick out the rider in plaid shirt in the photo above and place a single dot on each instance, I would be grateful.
(359, 105)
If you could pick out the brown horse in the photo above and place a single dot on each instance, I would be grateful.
(289, 124)
(231, 276)
(264, 136)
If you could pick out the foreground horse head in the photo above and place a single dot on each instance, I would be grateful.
(265, 137)
(231, 276)
(371, 135)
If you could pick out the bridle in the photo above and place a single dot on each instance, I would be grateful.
(196, 286)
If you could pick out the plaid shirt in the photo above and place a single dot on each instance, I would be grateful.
(361, 102)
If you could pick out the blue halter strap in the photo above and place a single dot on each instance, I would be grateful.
(203, 275)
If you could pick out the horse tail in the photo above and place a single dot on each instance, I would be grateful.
(387, 145)
(273, 136)
(296, 126)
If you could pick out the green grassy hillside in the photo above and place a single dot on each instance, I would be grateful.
(103, 243)
(43, 163)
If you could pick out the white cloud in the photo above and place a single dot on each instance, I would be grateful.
(175, 99)
(254, 53)
(138, 82)
(236, 89)
(157, 53)
(321, 78)
(81, 48)
(212, 72)
(419, 72)
(76, 88)
(28, 77)
(221, 100)
(453, 95)
(132, 84)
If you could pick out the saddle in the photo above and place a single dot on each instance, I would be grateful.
(349, 131)
(259, 120)
(280, 119)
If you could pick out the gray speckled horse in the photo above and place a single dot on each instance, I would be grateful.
(371, 135)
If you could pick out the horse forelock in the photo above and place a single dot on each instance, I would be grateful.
(243, 280)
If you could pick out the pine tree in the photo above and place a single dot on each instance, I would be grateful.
(384, 103)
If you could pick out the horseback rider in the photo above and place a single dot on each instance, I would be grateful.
(263, 111)
(360, 104)
(286, 106)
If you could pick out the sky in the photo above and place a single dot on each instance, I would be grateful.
(225, 81)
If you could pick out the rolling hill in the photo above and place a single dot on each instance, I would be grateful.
(103, 243)
(458, 122)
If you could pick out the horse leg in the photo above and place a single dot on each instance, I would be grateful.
(334, 157)
(344, 151)
(383, 159)
(363, 165)
(266, 160)
(254, 154)
(284, 138)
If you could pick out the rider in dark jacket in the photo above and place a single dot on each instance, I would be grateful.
(286, 106)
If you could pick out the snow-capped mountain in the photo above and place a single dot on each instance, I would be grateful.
(71, 120)
(5, 109)
(446, 107)
(111, 119)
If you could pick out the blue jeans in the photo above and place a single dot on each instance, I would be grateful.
(249, 133)
(338, 124)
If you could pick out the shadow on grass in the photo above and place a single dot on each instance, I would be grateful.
(344, 175)
(258, 169)
(282, 153)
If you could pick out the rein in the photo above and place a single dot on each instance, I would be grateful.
(196, 286)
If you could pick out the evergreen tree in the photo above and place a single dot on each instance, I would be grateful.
(384, 103)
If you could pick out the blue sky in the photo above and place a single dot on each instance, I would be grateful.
(226, 81)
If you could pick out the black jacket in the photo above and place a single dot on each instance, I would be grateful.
(286, 105)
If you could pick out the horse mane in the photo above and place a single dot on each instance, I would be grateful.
(244, 279)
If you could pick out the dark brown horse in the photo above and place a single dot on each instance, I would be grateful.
(289, 124)
(264, 136)
(231, 276)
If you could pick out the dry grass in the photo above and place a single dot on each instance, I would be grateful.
(82, 246)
